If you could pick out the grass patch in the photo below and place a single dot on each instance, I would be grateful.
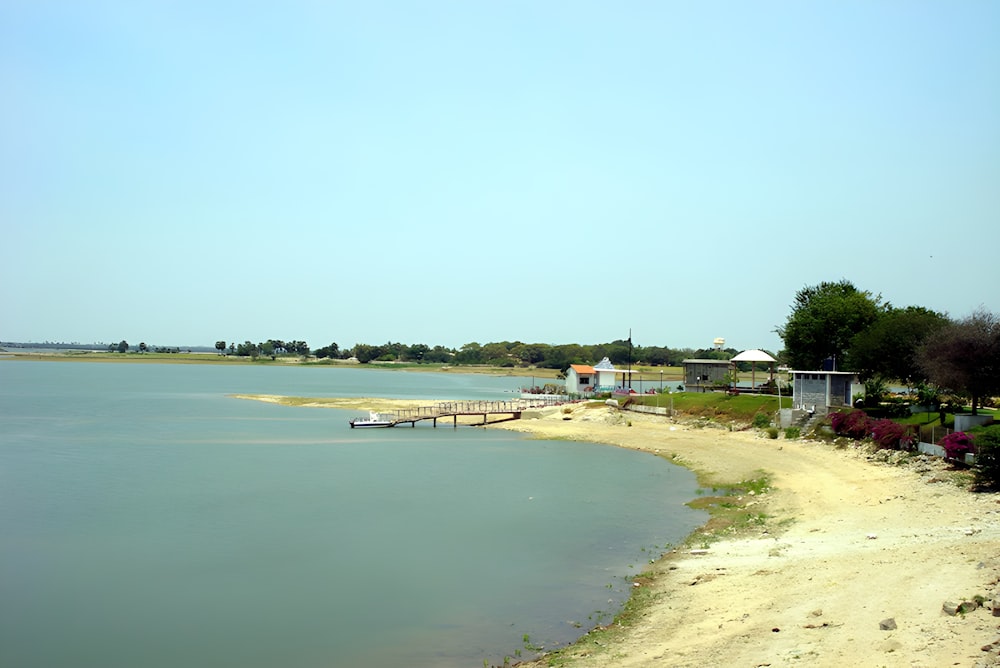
(732, 510)
(718, 405)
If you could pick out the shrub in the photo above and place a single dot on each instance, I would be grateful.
(855, 424)
(987, 471)
(761, 420)
(772, 432)
(791, 432)
(956, 445)
(892, 435)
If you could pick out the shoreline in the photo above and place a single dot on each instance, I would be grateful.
(853, 562)
(848, 545)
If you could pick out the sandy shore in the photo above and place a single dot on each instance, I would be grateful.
(852, 568)
(851, 545)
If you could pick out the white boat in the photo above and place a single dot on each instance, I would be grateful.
(373, 420)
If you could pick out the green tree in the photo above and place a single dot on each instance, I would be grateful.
(417, 352)
(529, 353)
(824, 320)
(220, 346)
(888, 347)
(123, 346)
(366, 353)
(439, 354)
(497, 354)
(247, 349)
(470, 353)
(331, 351)
(964, 356)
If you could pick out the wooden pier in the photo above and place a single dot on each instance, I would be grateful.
(507, 410)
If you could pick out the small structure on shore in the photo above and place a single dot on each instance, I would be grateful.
(703, 375)
(580, 379)
(754, 356)
(602, 377)
(817, 392)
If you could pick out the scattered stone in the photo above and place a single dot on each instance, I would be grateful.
(818, 612)
(872, 536)
(950, 608)
(887, 624)
(966, 607)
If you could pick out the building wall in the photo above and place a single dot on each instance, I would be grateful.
(809, 392)
(704, 374)
(576, 382)
(824, 391)
(840, 391)
(605, 379)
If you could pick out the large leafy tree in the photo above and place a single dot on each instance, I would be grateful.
(824, 320)
(964, 356)
(888, 347)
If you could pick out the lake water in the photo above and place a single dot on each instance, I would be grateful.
(148, 519)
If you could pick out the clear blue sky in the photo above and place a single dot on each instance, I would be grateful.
(448, 172)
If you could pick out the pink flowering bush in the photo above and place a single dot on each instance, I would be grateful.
(855, 424)
(884, 433)
(956, 445)
(893, 435)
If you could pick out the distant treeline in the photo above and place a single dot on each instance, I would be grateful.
(501, 354)
(108, 347)
(518, 354)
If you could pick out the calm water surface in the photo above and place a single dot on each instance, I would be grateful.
(146, 518)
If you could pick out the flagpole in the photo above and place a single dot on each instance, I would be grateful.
(629, 358)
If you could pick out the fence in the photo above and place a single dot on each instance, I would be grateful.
(936, 433)
(655, 410)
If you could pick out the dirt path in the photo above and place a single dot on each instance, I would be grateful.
(861, 543)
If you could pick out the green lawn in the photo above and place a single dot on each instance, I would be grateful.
(738, 408)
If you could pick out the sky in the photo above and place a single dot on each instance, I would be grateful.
(446, 172)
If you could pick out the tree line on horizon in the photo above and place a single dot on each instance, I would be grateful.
(832, 324)
(510, 354)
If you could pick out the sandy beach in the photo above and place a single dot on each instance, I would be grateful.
(853, 567)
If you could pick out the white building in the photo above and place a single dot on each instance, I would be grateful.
(602, 377)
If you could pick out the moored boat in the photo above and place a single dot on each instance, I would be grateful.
(373, 420)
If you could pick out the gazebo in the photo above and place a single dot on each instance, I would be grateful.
(754, 356)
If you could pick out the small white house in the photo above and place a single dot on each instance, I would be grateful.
(580, 379)
(602, 377)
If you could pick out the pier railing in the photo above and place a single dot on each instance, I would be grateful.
(449, 408)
